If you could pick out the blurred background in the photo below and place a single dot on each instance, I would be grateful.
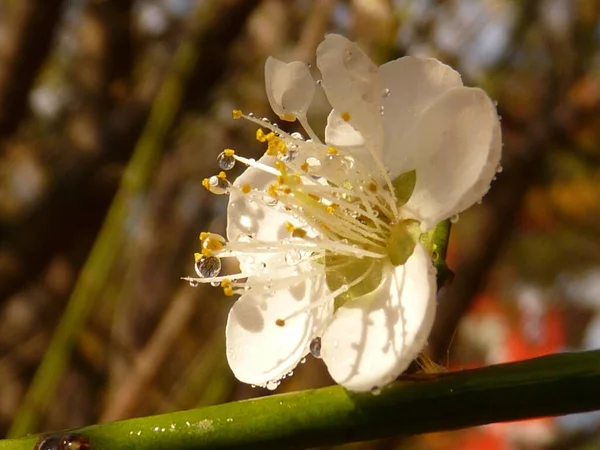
(113, 111)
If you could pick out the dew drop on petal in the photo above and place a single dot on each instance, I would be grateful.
(215, 283)
(225, 162)
(272, 385)
(375, 390)
(319, 83)
(194, 283)
(386, 93)
(292, 257)
(297, 135)
(208, 266)
(499, 168)
(454, 218)
(303, 360)
(315, 347)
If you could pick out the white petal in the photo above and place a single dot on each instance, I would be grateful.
(410, 86)
(457, 144)
(350, 82)
(258, 350)
(373, 339)
(257, 219)
(340, 133)
(290, 88)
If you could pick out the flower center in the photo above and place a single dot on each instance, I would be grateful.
(343, 217)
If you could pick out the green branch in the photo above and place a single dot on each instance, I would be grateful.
(547, 386)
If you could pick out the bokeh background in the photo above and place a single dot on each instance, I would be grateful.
(113, 111)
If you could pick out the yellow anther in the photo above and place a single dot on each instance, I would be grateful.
(332, 151)
(222, 175)
(280, 322)
(229, 152)
(227, 289)
(286, 190)
(372, 187)
(206, 184)
(314, 197)
(246, 188)
(236, 113)
(345, 116)
(288, 117)
(281, 147)
(331, 208)
(289, 226)
(260, 135)
(304, 166)
(299, 233)
(206, 252)
(272, 190)
(204, 235)
(197, 257)
(280, 165)
(212, 244)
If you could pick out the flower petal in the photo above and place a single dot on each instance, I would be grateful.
(410, 86)
(290, 88)
(248, 217)
(258, 350)
(340, 133)
(373, 339)
(350, 82)
(457, 144)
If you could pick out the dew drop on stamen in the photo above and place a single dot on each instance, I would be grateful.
(194, 283)
(315, 347)
(208, 266)
(218, 185)
(215, 283)
(225, 162)
(297, 135)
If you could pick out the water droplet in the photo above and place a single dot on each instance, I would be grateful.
(454, 218)
(386, 93)
(381, 109)
(303, 360)
(297, 135)
(215, 283)
(315, 347)
(225, 161)
(265, 120)
(218, 185)
(251, 114)
(262, 265)
(290, 156)
(293, 257)
(319, 83)
(272, 385)
(268, 200)
(375, 390)
(290, 373)
(499, 168)
(194, 283)
(208, 266)
(308, 65)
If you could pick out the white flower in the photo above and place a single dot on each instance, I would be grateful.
(327, 235)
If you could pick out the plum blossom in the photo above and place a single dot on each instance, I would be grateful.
(327, 234)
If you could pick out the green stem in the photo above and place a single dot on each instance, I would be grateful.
(547, 386)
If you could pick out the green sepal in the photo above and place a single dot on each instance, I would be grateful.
(402, 241)
(343, 270)
(404, 185)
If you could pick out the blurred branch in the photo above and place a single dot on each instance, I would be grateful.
(216, 29)
(547, 386)
(29, 43)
